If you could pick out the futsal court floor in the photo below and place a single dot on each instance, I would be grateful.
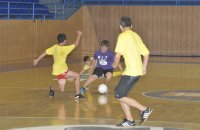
(171, 88)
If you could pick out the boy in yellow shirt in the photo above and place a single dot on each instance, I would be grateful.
(130, 46)
(88, 65)
(60, 52)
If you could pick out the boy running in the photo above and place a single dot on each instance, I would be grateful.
(60, 52)
(131, 47)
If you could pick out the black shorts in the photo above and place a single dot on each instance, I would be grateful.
(99, 72)
(124, 86)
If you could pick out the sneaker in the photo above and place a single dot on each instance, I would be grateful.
(82, 90)
(51, 92)
(79, 96)
(145, 115)
(126, 123)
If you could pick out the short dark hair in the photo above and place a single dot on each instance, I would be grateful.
(125, 21)
(61, 37)
(105, 43)
(86, 58)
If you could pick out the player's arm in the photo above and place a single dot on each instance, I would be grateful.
(91, 70)
(145, 53)
(79, 34)
(116, 60)
(120, 67)
(145, 62)
(94, 63)
(82, 71)
(35, 62)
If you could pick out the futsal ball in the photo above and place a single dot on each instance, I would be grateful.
(102, 88)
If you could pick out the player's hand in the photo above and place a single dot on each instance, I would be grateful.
(79, 33)
(114, 65)
(35, 62)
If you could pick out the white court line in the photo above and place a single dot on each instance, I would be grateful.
(4, 117)
(180, 94)
(156, 128)
(62, 127)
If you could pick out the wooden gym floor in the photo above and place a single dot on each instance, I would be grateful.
(24, 100)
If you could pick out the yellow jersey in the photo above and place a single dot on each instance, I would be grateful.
(59, 54)
(88, 67)
(130, 45)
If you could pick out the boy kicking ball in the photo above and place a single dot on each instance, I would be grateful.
(60, 52)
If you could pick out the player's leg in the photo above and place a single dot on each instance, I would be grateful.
(76, 78)
(127, 111)
(61, 81)
(124, 86)
(51, 92)
(145, 111)
(97, 73)
(121, 94)
(132, 102)
(121, 91)
(90, 80)
(128, 121)
(108, 75)
(61, 84)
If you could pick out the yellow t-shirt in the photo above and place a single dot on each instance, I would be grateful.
(59, 55)
(130, 45)
(87, 67)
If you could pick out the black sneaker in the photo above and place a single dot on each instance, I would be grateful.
(145, 115)
(79, 96)
(51, 92)
(126, 123)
